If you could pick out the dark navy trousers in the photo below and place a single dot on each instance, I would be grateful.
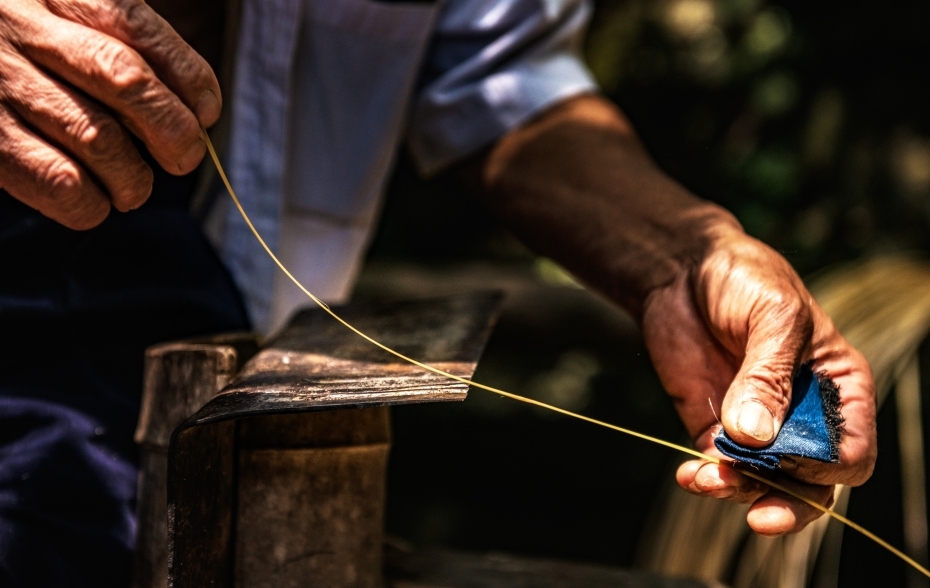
(77, 310)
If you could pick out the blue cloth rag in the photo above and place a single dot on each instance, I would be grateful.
(812, 429)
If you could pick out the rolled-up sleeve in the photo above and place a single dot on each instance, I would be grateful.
(492, 65)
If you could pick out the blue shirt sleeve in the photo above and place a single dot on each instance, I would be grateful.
(492, 65)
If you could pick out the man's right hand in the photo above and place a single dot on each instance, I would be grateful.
(725, 318)
(76, 78)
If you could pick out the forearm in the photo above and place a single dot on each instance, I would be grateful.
(576, 184)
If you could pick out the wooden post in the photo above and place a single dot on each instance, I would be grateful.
(311, 499)
(179, 379)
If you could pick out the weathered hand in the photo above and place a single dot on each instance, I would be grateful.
(730, 333)
(76, 77)
(725, 318)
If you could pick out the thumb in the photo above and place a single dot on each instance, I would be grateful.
(757, 401)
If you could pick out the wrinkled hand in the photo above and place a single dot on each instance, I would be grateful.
(76, 78)
(730, 333)
(725, 318)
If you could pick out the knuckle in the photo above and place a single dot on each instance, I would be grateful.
(70, 202)
(140, 21)
(67, 200)
(137, 16)
(122, 69)
(794, 306)
(131, 82)
(63, 182)
(771, 381)
(99, 137)
(787, 304)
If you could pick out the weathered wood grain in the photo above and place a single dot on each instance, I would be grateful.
(309, 488)
(311, 499)
(318, 364)
(201, 506)
(179, 378)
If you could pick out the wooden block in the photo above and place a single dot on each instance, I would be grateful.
(312, 446)
(311, 499)
(179, 379)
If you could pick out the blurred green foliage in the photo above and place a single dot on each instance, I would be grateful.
(808, 120)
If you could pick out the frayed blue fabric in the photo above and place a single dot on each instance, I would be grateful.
(812, 428)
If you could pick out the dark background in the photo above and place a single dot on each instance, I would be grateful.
(809, 120)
